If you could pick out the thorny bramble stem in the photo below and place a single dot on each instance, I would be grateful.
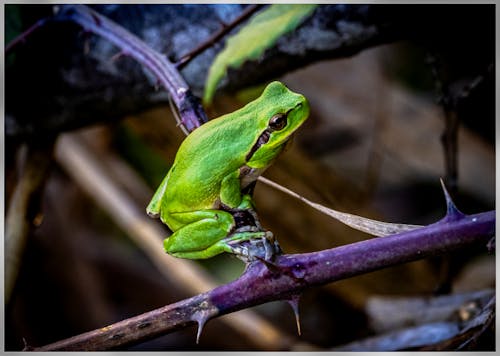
(259, 284)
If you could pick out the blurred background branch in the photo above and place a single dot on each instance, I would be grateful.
(78, 83)
(24, 210)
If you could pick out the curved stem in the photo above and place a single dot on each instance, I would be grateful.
(190, 109)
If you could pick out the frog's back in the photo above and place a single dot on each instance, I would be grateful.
(205, 157)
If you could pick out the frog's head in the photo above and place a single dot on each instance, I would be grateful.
(280, 112)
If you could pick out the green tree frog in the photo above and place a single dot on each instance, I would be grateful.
(205, 198)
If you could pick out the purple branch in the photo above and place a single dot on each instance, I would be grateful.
(288, 277)
(190, 110)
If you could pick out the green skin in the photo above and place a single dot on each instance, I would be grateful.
(214, 164)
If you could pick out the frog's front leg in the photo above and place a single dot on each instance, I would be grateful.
(206, 233)
(246, 219)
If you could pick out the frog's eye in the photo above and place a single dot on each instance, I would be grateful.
(277, 122)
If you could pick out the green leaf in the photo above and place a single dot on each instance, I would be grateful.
(261, 32)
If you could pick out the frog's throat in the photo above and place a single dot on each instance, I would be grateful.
(248, 175)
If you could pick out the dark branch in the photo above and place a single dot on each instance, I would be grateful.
(185, 59)
(84, 88)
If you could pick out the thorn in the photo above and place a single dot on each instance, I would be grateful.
(201, 324)
(294, 303)
(96, 19)
(273, 267)
(201, 318)
(491, 245)
(222, 24)
(117, 56)
(452, 213)
(297, 273)
(86, 46)
(180, 63)
(27, 347)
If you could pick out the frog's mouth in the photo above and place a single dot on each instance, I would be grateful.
(262, 140)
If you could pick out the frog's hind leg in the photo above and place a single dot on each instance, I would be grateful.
(207, 233)
(199, 234)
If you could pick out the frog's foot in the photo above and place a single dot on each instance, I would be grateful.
(261, 245)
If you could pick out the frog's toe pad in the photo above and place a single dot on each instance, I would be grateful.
(153, 214)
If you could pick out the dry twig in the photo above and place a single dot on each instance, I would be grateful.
(23, 209)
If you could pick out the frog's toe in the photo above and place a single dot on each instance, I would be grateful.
(154, 209)
(153, 214)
